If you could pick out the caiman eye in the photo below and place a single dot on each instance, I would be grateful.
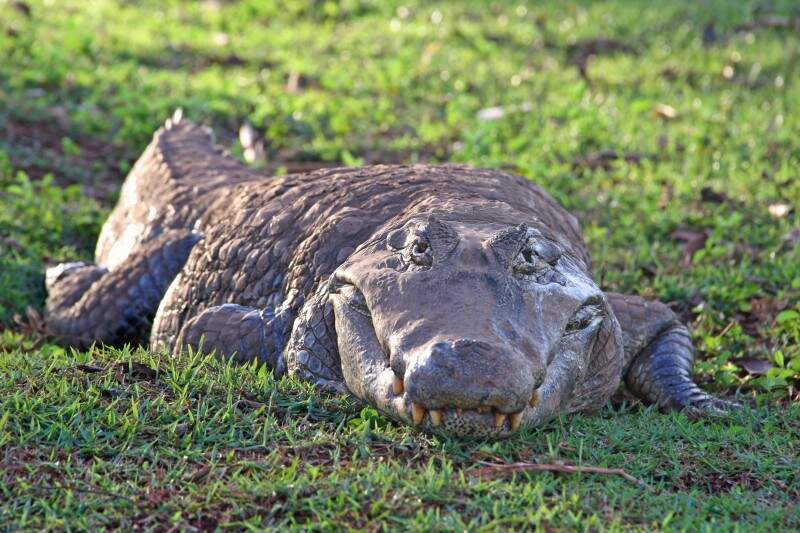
(528, 262)
(537, 259)
(421, 253)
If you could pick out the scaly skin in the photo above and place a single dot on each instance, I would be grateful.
(457, 299)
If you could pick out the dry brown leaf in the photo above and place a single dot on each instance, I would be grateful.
(779, 210)
(753, 366)
(135, 370)
(200, 473)
(766, 309)
(693, 240)
(707, 194)
(664, 111)
(762, 313)
(252, 404)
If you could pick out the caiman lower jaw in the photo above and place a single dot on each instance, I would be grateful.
(502, 423)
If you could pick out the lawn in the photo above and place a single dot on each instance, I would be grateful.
(669, 128)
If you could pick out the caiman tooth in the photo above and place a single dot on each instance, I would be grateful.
(499, 419)
(398, 386)
(436, 417)
(483, 409)
(459, 411)
(417, 412)
(535, 399)
(516, 420)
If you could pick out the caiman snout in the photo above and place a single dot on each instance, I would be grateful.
(470, 375)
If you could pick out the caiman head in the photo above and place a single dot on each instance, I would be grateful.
(468, 329)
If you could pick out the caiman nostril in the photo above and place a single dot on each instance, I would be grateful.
(489, 379)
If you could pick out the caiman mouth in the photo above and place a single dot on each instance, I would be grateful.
(388, 391)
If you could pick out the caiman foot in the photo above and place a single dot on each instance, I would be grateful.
(88, 303)
(661, 374)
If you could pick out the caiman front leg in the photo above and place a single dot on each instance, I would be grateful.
(312, 353)
(659, 356)
(88, 303)
(301, 343)
(236, 331)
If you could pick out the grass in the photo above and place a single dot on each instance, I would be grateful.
(680, 127)
(89, 440)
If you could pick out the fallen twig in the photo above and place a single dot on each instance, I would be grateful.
(493, 469)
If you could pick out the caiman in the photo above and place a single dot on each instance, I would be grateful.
(459, 300)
